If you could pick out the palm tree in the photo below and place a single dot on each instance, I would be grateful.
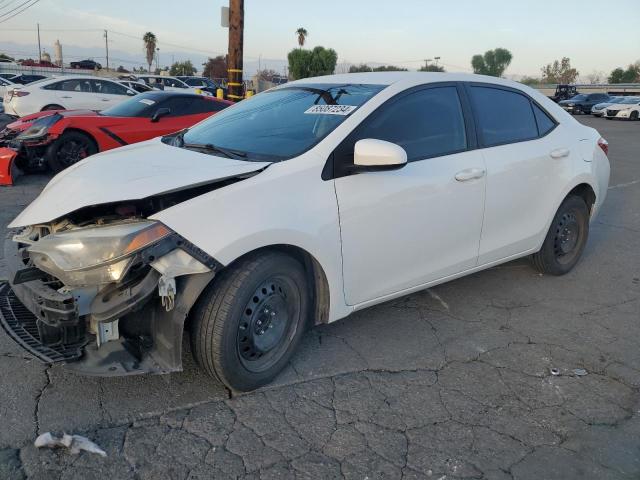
(302, 36)
(150, 41)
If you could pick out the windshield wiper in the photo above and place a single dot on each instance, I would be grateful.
(210, 147)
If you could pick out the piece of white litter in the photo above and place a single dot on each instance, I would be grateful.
(74, 443)
(579, 372)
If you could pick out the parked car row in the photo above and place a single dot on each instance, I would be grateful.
(603, 105)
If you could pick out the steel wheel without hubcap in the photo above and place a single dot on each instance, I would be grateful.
(566, 238)
(249, 321)
(266, 326)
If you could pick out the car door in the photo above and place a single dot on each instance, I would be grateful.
(73, 93)
(109, 93)
(529, 158)
(404, 228)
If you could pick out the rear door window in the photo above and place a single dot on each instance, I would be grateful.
(503, 116)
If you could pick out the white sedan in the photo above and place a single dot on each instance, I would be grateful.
(163, 82)
(4, 85)
(65, 93)
(627, 109)
(297, 207)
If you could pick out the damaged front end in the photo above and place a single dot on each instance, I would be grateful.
(107, 296)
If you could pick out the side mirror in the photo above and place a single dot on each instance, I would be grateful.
(131, 93)
(161, 112)
(372, 155)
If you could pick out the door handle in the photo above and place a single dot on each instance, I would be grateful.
(559, 153)
(65, 96)
(470, 174)
(105, 99)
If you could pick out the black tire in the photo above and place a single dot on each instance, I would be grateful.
(52, 107)
(566, 239)
(633, 116)
(250, 320)
(70, 148)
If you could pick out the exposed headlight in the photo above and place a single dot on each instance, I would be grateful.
(39, 128)
(571, 104)
(94, 255)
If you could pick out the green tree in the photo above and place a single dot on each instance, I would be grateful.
(215, 67)
(182, 68)
(493, 62)
(302, 35)
(389, 68)
(431, 68)
(150, 42)
(630, 75)
(311, 63)
(6, 58)
(531, 80)
(559, 72)
(363, 67)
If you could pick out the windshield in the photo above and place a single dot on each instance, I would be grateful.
(579, 98)
(133, 107)
(282, 123)
(630, 100)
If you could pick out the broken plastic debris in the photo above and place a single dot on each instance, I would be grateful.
(74, 443)
(580, 372)
(554, 371)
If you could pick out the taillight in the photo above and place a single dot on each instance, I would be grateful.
(604, 145)
(20, 93)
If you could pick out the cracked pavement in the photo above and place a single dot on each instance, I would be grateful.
(453, 382)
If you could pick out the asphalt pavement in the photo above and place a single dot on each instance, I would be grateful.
(504, 374)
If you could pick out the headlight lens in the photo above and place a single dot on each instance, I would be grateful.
(39, 127)
(94, 255)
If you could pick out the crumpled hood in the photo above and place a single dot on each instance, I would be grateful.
(128, 173)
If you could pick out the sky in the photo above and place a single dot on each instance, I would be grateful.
(375, 31)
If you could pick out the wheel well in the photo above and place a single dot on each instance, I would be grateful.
(82, 132)
(47, 107)
(584, 191)
(315, 275)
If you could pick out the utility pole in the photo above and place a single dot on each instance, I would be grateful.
(236, 43)
(436, 59)
(426, 62)
(106, 46)
(39, 49)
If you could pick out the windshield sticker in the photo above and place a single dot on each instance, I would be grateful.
(146, 101)
(331, 109)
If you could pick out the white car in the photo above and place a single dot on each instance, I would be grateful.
(164, 82)
(139, 87)
(297, 207)
(599, 109)
(65, 93)
(4, 85)
(627, 109)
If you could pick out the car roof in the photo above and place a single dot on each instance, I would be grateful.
(389, 78)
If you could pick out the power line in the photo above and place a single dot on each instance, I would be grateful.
(19, 11)
(14, 8)
(6, 4)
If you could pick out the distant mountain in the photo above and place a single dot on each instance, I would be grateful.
(129, 60)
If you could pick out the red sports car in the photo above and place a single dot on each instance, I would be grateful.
(60, 138)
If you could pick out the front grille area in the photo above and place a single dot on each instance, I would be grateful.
(7, 135)
(22, 325)
(611, 113)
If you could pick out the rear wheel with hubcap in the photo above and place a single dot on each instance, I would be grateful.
(70, 148)
(566, 238)
(248, 323)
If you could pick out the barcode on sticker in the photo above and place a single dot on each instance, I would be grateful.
(331, 109)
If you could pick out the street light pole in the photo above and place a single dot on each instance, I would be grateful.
(39, 49)
(236, 44)
(106, 46)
